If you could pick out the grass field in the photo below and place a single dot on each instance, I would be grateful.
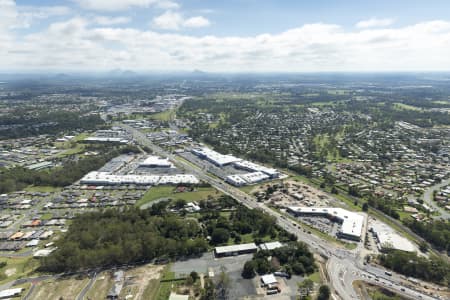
(67, 288)
(79, 148)
(165, 286)
(315, 277)
(402, 106)
(163, 116)
(42, 189)
(159, 192)
(17, 267)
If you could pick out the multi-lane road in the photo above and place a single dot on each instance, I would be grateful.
(343, 266)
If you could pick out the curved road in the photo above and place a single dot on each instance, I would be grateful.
(428, 199)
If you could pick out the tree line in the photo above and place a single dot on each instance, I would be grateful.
(410, 264)
(116, 237)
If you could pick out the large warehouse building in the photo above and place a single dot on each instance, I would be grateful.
(352, 223)
(388, 239)
(235, 250)
(156, 162)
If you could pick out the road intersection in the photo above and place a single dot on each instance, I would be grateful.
(343, 267)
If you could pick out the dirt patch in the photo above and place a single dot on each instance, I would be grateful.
(61, 288)
(137, 280)
(10, 272)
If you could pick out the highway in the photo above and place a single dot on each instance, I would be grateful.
(343, 266)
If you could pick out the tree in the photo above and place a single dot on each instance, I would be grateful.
(194, 276)
(334, 190)
(324, 293)
(249, 270)
(423, 246)
(306, 287)
(219, 236)
(365, 206)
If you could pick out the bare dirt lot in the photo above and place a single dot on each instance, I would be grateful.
(67, 288)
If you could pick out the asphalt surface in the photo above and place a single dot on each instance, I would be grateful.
(343, 267)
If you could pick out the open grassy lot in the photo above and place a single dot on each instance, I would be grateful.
(17, 267)
(402, 106)
(76, 149)
(166, 285)
(168, 192)
(42, 189)
(67, 288)
(315, 277)
(163, 116)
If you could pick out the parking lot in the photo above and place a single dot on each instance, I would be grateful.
(232, 266)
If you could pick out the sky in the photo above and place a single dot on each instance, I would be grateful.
(224, 35)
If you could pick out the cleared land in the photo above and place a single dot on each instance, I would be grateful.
(67, 288)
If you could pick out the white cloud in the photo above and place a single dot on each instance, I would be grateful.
(27, 15)
(117, 5)
(79, 44)
(196, 22)
(374, 22)
(102, 20)
(168, 21)
(174, 21)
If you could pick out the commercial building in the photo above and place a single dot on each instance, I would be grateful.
(388, 239)
(270, 246)
(105, 178)
(156, 162)
(99, 139)
(352, 223)
(215, 157)
(235, 180)
(249, 166)
(235, 250)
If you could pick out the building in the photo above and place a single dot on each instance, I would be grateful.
(388, 239)
(234, 250)
(268, 280)
(352, 223)
(271, 246)
(174, 296)
(10, 293)
(252, 167)
(156, 162)
(215, 157)
(105, 178)
(40, 165)
(235, 180)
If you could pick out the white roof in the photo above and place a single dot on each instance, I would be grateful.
(43, 252)
(236, 179)
(271, 245)
(388, 238)
(216, 157)
(245, 164)
(10, 292)
(236, 248)
(103, 178)
(156, 161)
(268, 279)
(174, 296)
(254, 177)
(352, 223)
